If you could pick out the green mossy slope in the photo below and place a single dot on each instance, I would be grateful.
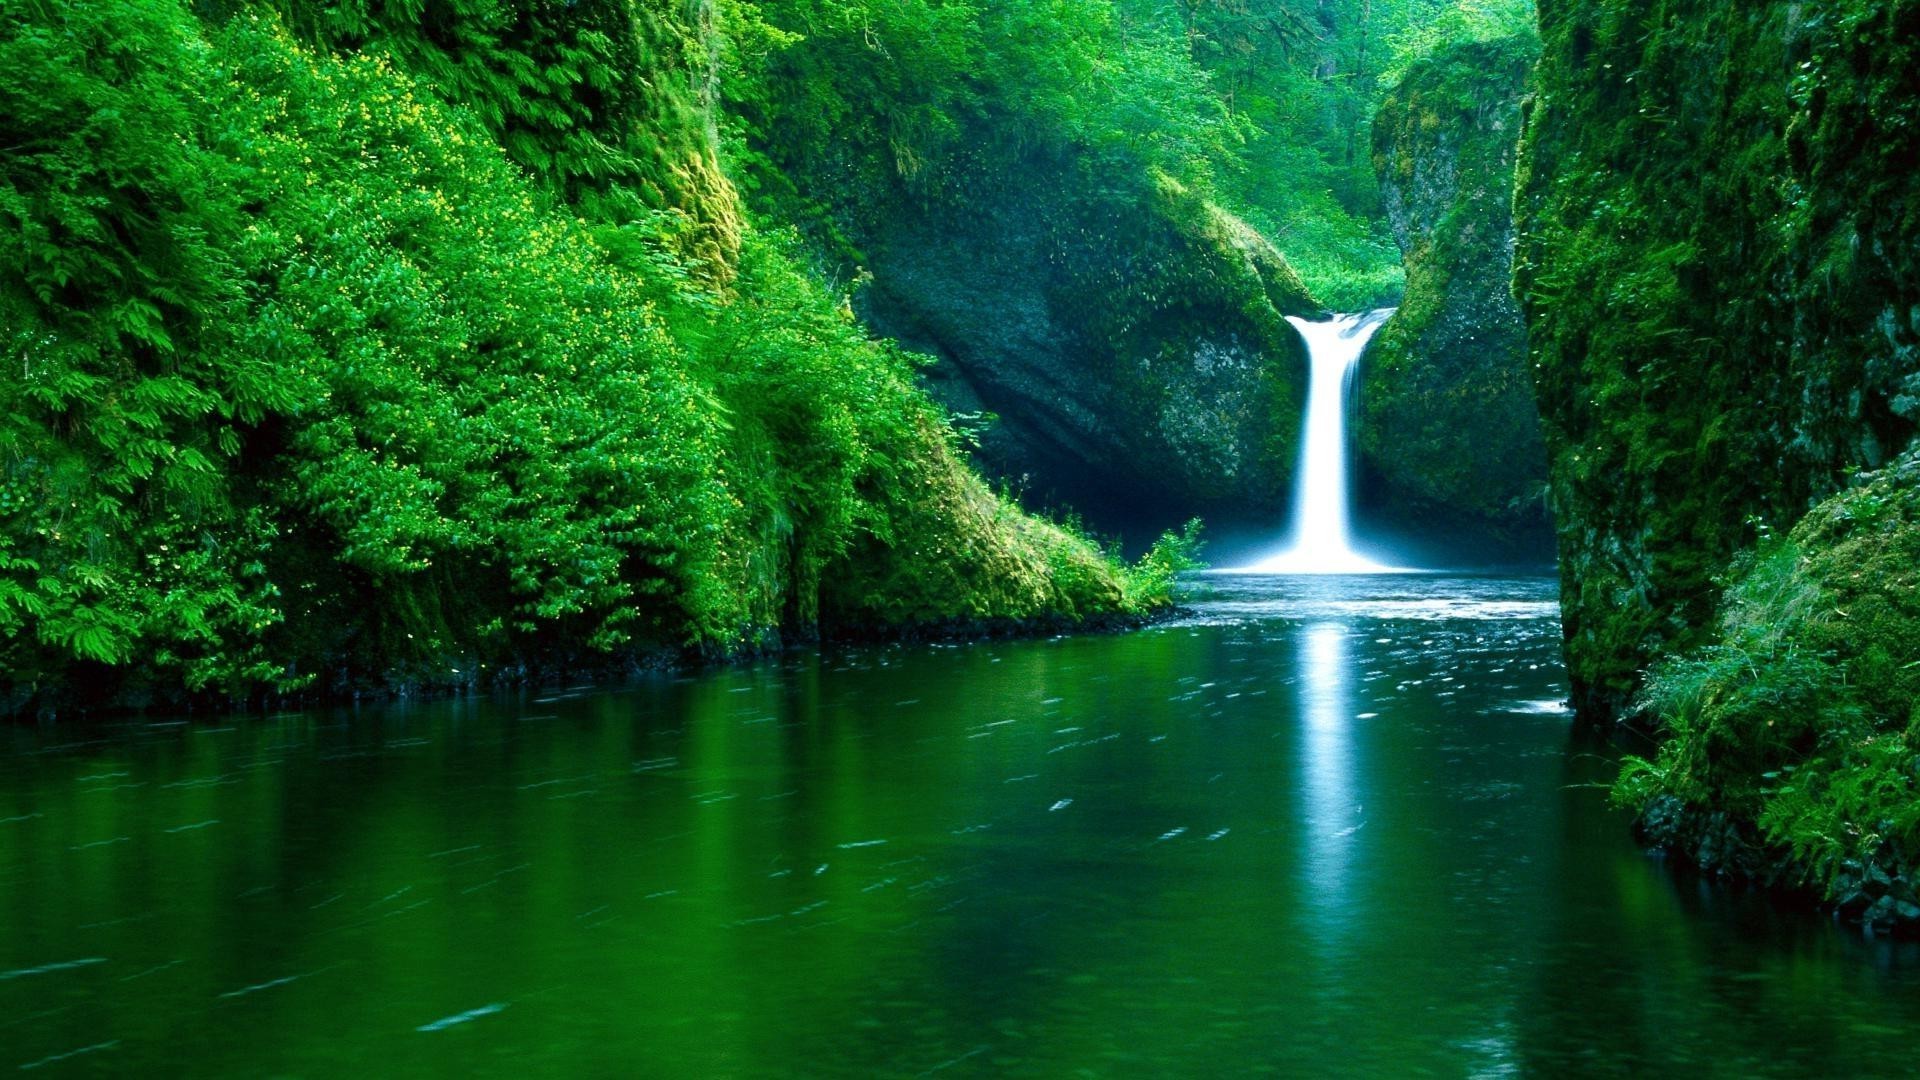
(1447, 416)
(1719, 260)
(333, 379)
(1793, 750)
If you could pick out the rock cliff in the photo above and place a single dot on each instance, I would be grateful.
(1133, 348)
(1718, 212)
(1448, 429)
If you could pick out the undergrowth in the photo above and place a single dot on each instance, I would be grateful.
(1791, 742)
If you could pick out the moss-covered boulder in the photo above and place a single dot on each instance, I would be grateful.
(1719, 261)
(1794, 740)
(1448, 429)
(1133, 346)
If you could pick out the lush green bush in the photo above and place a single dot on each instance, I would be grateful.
(601, 101)
(125, 307)
(1793, 742)
(320, 380)
(1157, 576)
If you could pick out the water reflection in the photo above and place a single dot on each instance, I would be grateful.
(1332, 811)
(1318, 830)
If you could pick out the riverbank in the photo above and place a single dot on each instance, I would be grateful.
(1792, 741)
(468, 679)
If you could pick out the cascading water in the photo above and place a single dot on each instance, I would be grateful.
(1322, 538)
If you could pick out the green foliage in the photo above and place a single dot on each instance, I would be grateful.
(1462, 22)
(1158, 572)
(601, 100)
(1347, 262)
(1260, 105)
(121, 298)
(487, 389)
(324, 376)
(870, 94)
(1798, 725)
(1715, 214)
(1750, 705)
(416, 339)
(1074, 147)
(1304, 80)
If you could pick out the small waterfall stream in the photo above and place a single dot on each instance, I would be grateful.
(1321, 540)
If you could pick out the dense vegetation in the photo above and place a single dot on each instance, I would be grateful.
(1719, 215)
(1793, 749)
(360, 347)
(1304, 83)
(1717, 262)
(1263, 105)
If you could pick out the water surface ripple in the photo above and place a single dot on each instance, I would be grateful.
(1321, 827)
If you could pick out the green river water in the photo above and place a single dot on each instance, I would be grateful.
(1319, 828)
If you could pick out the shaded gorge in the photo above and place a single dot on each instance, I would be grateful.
(1319, 826)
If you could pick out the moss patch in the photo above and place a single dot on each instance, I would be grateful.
(1718, 214)
(1793, 750)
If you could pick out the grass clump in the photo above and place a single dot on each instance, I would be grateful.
(1791, 750)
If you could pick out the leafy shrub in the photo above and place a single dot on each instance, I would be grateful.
(122, 298)
(319, 382)
(1798, 725)
(1154, 578)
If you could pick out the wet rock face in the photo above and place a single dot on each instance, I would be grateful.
(1719, 262)
(1448, 428)
(1133, 346)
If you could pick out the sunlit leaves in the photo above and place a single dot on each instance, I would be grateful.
(312, 373)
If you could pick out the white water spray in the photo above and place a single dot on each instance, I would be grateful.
(1322, 540)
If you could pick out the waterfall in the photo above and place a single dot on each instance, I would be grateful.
(1322, 535)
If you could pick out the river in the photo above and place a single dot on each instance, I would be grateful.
(1323, 826)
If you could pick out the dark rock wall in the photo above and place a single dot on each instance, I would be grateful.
(1133, 346)
(1718, 209)
(1448, 428)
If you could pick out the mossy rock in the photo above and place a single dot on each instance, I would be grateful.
(1132, 344)
(1447, 420)
(1793, 749)
(1718, 260)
